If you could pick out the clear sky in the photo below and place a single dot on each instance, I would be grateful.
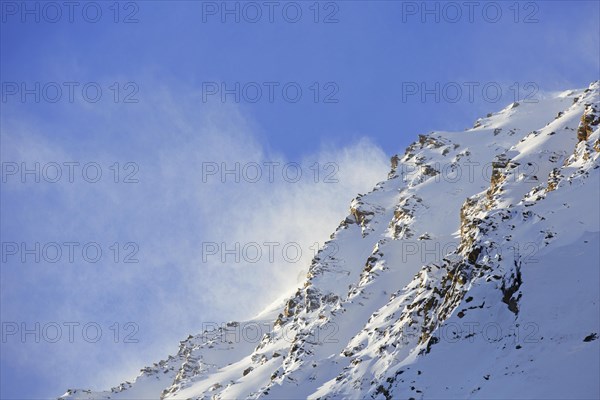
(186, 86)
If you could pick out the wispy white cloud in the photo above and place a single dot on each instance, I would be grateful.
(169, 214)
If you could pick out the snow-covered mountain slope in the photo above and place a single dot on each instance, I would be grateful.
(472, 272)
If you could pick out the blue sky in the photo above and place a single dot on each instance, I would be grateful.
(363, 62)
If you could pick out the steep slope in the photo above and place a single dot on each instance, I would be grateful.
(471, 272)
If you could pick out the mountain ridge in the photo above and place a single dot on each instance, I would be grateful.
(456, 258)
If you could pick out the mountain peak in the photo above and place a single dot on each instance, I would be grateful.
(472, 271)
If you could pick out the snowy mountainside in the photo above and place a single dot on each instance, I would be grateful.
(471, 272)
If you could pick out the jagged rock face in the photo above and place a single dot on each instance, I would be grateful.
(471, 272)
(589, 120)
